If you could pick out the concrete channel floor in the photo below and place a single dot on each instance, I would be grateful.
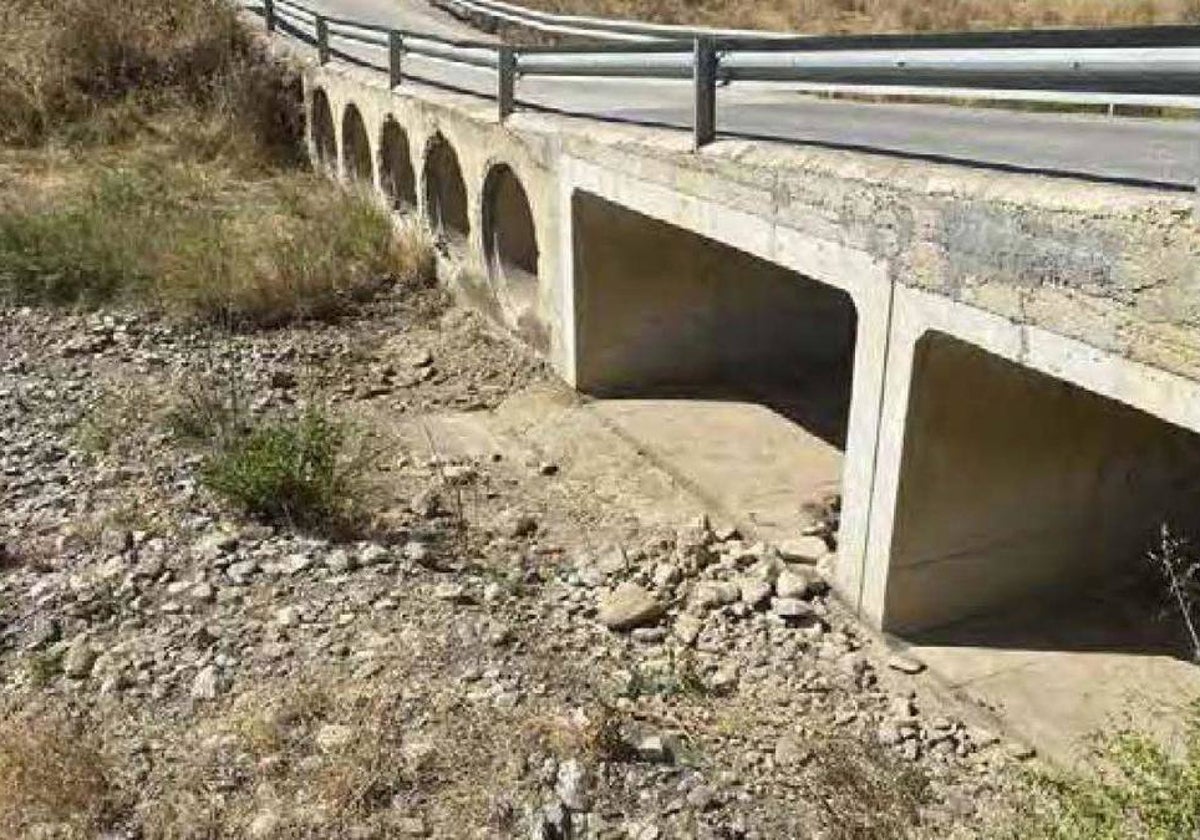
(749, 463)
(1054, 672)
(1058, 670)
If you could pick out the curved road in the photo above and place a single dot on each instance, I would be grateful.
(1155, 153)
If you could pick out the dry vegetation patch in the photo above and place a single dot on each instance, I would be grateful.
(156, 157)
(199, 239)
(851, 16)
(55, 780)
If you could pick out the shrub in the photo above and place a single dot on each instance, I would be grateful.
(293, 471)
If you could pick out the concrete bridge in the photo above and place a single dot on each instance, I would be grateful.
(999, 370)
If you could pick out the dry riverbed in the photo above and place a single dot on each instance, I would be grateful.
(505, 649)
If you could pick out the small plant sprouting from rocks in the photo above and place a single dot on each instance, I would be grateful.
(42, 668)
(290, 470)
(679, 679)
(1180, 570)
(214, 413)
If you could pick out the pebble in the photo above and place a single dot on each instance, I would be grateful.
(629, 606)
(809, 550)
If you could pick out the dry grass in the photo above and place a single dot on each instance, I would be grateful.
(199, 238)
(55, 782)
(856, 16)
(156, 158)
(81, 71)
(325, 757)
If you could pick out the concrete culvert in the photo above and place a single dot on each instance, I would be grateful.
(1018, 489)
(356, 147)
(735, 371)
(445, 190)
(324, 138)
(509, 235)
(395, 166)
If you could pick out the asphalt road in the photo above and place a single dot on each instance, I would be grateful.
(1161, 154)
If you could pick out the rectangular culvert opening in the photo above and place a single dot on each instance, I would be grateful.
(735, 372)
(1019, 490)
(1018, 566)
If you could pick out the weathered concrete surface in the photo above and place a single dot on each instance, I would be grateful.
(653, 264)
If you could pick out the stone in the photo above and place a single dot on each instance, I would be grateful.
(709, 594)
(687, 628)
(79, 659)
(211, 546)
(905, 664)
(242, 571)
(806, 549)
(207, 684)
(792, 752)
(203, 592)
(265, 825)
(339, 561)
(754, 591)
(418, 553)
(453, 593)
(333, 737)
(701, 798)
(629, 606)
(573, 785)
(725, 679)
(287, 616)
(649, 635)
(800, 583)
(374, 554)
(653, 749)
(666, 574)
(889, 735)
(410, 827)
(902, 709)
(791, 609)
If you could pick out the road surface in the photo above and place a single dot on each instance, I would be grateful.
(1146, 152)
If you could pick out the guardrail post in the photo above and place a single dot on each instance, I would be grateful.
(506, 79)
(269, 14)
(704, 71)
(395, 57)
(322, 39)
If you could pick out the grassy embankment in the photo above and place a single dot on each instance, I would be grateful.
(152, 156)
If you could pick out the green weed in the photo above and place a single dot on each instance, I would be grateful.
(293, 471)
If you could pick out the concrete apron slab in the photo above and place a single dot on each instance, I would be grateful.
(549, 423)
(666, 461)
(752, 466)
(1058, 675)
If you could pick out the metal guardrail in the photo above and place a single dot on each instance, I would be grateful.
(498, 13)
(1144, 66)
